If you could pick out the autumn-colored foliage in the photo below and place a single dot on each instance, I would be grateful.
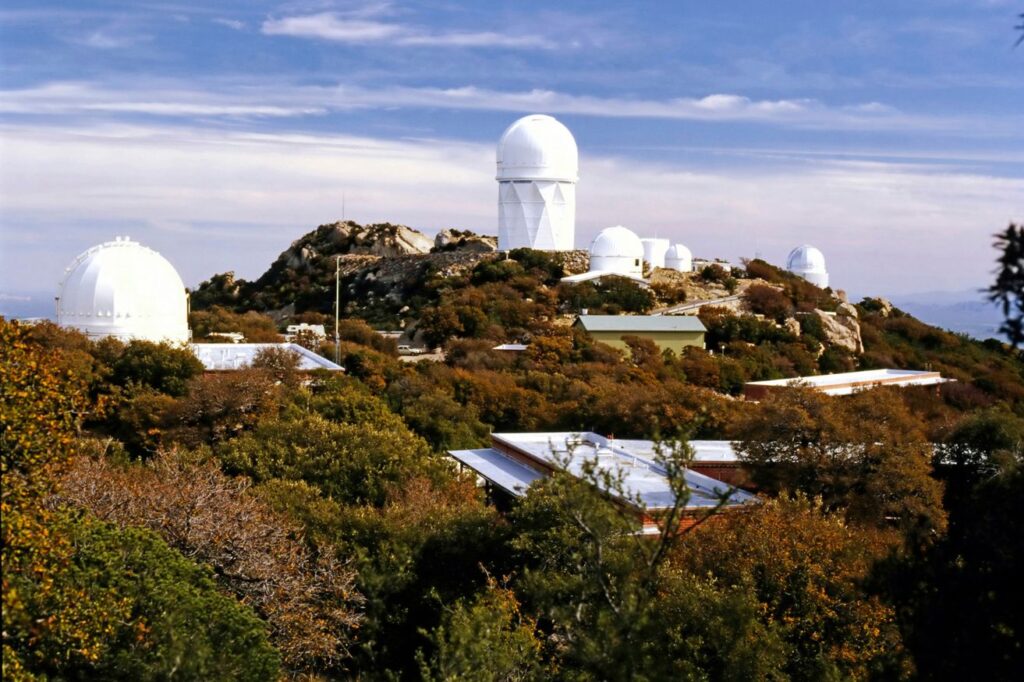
(309, 600)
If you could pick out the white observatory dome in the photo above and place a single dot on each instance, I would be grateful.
(618, 250)
(538, 147)
(809, 263)
(654, 252)
(126, 290)
(679, 258)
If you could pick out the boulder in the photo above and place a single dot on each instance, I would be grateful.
(847, 310)
(841, 330)
(464, 240)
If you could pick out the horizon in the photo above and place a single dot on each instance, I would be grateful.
(881, 134)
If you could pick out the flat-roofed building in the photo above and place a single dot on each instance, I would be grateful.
(846, 383)
(674, 332)
(516, 460)
(224, 357)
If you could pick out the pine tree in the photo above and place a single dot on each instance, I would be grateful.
(1008, 289)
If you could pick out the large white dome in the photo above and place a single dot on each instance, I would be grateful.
(538, 147)
(617, 249)
(678, 257)
(126, 290)
(809, 263)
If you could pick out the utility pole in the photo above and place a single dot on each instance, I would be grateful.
(337, 309)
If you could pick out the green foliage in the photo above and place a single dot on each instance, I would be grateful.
(173, 621)
(354, 463)
(607, 296)
(1008, 289)
(485, 639)
(40, 407)
(160, 366)
(255, 327)
(866, 454)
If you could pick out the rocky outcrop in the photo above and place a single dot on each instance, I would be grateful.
(464, 240)
(842, 328)
(574, 262)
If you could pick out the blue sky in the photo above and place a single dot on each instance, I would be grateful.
(888, 134)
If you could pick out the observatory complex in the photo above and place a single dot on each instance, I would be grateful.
(538, 166)
(125, 290)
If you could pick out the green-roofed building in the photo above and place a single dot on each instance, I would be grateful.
(674, 332)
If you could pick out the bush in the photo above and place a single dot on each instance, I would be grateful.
(768, 301)
(174, 621)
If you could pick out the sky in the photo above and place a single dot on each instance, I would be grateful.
(888, 134)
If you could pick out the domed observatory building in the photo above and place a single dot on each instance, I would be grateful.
(538, 166)
(679, 258)
(654, 252)
(809, 263)
(125, 290)
(614, 251)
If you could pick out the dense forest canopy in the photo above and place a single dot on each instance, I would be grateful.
(274, 523)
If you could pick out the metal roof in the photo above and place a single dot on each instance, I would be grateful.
(231, 356)
(641, 323)
(845, 383)
(633, 462)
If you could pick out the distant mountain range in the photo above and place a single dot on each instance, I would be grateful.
(27, 304)
(967, 312)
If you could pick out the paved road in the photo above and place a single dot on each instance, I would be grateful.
(693, 305)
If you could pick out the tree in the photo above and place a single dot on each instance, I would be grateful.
(866, 454)
(1008, 289)
(173, 621)
(308, 599)
(592, 577)
(355, 463)
(805, 567)
(487, 639)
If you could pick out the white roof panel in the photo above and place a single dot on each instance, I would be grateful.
(231, 356)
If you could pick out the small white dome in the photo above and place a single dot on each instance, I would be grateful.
(617, 249)
(126, 290)
(809, 263)
(678, 257)
(538, 147)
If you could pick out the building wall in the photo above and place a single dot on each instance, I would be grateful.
(675, 341)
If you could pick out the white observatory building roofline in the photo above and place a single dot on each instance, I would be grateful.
(537, 170)
(125, 290)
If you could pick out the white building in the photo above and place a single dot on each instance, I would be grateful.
(538, 166)
(614, 251)
(125, 290)
(654, 251)
(517, 460)
(617, 250)
(679, 258)
(809, 263)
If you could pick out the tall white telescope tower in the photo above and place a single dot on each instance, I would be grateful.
(538, 166)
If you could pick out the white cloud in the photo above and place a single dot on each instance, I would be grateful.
(347, 28)
(233, 24)
(281, 99)
(215, 201)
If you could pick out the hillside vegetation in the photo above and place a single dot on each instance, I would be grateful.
(315, 523)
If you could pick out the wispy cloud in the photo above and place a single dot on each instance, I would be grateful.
(344, 28)
(215, 201)
(248, 99)
(233, 24)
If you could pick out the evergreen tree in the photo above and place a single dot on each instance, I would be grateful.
(1008, 289)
